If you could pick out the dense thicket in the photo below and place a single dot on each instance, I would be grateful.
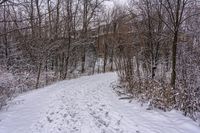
(42, 41)
(160, 64)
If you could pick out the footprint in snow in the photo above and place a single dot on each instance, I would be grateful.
(49, 119)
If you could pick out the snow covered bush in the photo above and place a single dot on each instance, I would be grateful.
(6, 87)
(188, 82)
(13, 84)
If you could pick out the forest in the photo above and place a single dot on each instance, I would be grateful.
(152, 45)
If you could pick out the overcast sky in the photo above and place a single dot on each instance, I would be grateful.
(111, 3)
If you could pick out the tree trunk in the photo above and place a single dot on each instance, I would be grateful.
(46, 69)
(83, 60)
(105, 57)
(38, 76)
(5, 39)
(174, 50)
(111, 60)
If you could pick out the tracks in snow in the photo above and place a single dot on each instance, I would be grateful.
(80, 110)
(87, 105)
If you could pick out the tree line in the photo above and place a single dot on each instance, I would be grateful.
(42, 41)
(159, 62)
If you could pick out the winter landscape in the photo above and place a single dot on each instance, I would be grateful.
(99, 66)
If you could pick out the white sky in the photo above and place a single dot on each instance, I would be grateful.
(111, 3)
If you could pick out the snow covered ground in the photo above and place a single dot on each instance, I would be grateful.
(87, 105)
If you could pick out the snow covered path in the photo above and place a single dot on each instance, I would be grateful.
(87, 105)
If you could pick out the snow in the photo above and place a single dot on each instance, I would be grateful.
(87, 105)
